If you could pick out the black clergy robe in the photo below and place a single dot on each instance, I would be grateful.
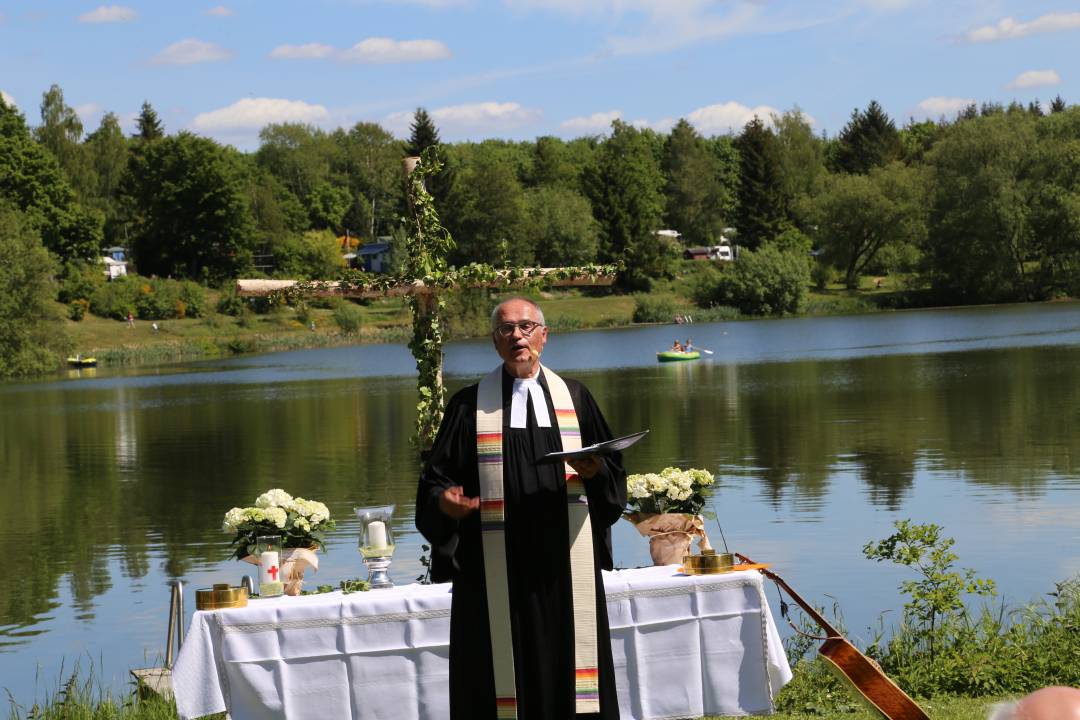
(538, 553)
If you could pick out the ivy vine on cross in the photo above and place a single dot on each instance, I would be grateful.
(424, 278)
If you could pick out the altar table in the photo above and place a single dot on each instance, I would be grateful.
(683, 647)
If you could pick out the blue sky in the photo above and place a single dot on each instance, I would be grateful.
(523, 68)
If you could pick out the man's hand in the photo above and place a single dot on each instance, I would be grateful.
(587, 467)
(455, 504)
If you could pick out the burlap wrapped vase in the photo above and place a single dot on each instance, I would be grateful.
(670, 534)
(294, 561)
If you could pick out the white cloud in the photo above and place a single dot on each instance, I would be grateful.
(220, 11)
(254, 113)
(109, 14)
(386, 50)
(190, 52)
(598, 122)
(1009, 29)
(1034, 78)
(472, 118)
(8, 100)
(307, 51)
(936, 106)
(87, 111)
(730, 117)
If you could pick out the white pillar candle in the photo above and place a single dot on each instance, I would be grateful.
(376, 533)
(269, 567)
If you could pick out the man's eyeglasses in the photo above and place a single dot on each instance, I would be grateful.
(527, 328)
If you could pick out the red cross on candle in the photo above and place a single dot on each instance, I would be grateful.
(273, 572)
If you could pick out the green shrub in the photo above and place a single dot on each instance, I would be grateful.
(656, 309)
(467, 313)
(158, 300)
(766, 282)
(77, 309)
(716, 313)
(348, 317)
(116, 298)
(79, 281)
(230, 303)
(193, 295)
(942, 647)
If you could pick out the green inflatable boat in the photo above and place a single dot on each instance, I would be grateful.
(677, 355)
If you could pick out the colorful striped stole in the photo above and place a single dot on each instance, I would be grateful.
(489, 454)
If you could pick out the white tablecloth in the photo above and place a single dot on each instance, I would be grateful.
(682, 646)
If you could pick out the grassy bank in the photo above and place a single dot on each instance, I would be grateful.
(79, 699)
(114, 343)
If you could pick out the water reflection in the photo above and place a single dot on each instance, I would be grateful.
(115, 485)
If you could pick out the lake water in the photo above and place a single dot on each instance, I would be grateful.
(822, 432)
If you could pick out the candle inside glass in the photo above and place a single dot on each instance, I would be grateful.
(270, 573)
(377, 534)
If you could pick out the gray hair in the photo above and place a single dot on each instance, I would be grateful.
(1004, 711)
(495, 312)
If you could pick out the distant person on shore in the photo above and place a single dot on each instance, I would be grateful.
(154, 326)
(1050, 703)
(130, 320)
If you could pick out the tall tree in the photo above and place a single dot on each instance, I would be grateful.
(980, 240)
(61, 133)
(1057, 104)
(625, 185)
(802, 160)
(692, 188)
(551, 165)
(107, 149)
(560, 226)
(859, 216)
(372, 164)
(422, 133)
(488, 215)
(762, 206)
(869, 140)
(31, 179)
(108, 154)
(148, 127)
(193, 216)
(31, 338)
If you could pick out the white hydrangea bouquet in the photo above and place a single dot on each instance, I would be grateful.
(666, 507)
(301, 525)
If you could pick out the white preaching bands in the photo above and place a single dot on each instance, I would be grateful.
(519, 406)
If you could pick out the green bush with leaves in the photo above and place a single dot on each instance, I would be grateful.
(655, 309)
(116, 298)
(79, 281)
(936, 598)
(230, 302)
(942, 647)
(31, 338)
(193, 295)
(77, 309)
(348, 317)
(148, 298)
(768, 281)
(467, 313)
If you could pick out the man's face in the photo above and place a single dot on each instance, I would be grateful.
(519, 352)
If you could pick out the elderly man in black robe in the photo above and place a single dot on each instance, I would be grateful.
(537, 566)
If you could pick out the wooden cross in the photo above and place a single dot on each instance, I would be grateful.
(425, 277)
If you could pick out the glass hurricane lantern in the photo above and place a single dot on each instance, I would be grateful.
(377, 543)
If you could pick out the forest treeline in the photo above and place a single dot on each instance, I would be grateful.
(982, 207)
